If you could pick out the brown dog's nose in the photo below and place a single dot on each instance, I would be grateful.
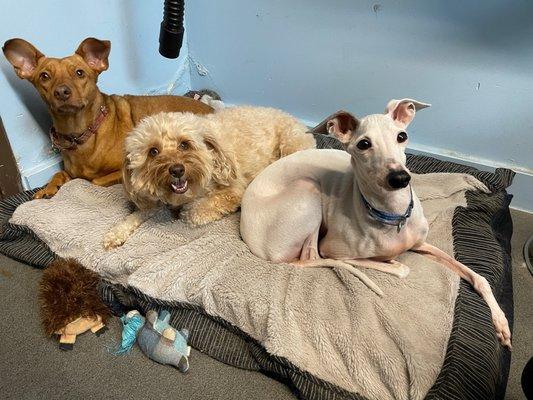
(176, 170)
(62, 92)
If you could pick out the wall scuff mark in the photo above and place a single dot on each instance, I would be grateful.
(200, 69)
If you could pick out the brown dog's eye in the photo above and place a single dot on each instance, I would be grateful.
(154, 151)
(402, 137)
(364, 144)
(80, 73)
(184, 145)
(44, 76)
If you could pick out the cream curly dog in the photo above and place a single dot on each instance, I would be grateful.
(201, 165)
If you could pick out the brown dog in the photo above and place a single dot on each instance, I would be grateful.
(88, 126)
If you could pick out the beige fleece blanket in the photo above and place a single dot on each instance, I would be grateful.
(324, 321)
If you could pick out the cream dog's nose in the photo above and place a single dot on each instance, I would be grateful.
(176, 170)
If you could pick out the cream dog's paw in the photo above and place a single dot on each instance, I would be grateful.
(200, 213)
(116, 237)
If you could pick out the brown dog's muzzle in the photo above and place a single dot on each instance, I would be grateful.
(62, 92)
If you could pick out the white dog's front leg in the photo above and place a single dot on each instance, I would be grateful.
(480, 285)
(122, 231)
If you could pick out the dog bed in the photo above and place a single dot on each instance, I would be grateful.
(289, 323)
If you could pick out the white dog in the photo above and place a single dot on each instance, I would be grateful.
(341, 209)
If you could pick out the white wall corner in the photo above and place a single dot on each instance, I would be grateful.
(179, 83)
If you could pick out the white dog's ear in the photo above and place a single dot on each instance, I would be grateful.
(225, 169)
(403, 111)
(342, 126)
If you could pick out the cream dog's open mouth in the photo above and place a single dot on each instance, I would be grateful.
(179, 186)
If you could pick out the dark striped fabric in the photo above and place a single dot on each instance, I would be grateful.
(475, 366)
(19, 242)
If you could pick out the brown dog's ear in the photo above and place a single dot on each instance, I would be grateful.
(342, 126)
(225, 169)
(23, 56)
(95, 53)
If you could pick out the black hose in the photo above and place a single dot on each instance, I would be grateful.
(171, 33)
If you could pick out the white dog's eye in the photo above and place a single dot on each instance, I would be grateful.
(154, 151)
(184, 145)
(364, 144)
(402, 137)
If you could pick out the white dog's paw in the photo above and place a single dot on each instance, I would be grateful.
(503, 333)
(475, 183)
(115, 237)
(400, 270)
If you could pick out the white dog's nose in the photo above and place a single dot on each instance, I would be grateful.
(398, 179)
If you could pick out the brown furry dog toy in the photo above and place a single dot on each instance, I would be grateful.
(201, 165)
(70, 304)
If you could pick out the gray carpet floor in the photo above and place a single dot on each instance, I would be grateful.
(32, 367)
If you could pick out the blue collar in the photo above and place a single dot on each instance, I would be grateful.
(386, 218)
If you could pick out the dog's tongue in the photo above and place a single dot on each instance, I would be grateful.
(179, 187)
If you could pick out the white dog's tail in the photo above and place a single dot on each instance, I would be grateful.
(328, 262)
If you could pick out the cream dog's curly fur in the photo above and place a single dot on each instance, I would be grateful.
(201, 165)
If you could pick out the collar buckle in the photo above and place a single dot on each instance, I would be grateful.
(401, 224)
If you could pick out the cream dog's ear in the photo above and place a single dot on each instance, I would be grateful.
(225, 169)
(142, 202)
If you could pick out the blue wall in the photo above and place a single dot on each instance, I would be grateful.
(56, 28)
(473, 60)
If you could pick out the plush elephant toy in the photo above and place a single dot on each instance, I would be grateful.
(157, 339)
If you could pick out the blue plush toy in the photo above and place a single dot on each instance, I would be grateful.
(157, 339)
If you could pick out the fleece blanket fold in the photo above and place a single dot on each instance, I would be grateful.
(323, 321)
